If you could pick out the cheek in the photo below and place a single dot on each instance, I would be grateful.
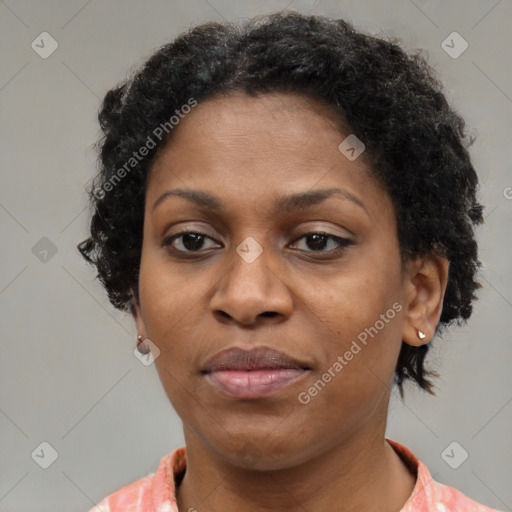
(167, 302)
(362, 320)
(356, 380)
(165, 291)
(171, 316)
(350, 303)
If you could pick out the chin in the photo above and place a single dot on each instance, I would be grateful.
(253, 453)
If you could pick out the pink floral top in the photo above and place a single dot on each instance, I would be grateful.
(156, 491)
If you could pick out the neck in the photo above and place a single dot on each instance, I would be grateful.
(362, 473)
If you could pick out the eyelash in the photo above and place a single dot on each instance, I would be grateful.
(343, 242)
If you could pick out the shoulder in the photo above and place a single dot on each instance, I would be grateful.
(129, 498)
(155, 491)
(449, 499)
(429, 495)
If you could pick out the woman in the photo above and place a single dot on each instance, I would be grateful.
(287, 209)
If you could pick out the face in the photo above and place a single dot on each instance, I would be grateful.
(318, 279)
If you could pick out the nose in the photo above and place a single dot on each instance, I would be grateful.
(251, 292)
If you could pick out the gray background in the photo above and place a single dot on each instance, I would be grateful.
(68, 373)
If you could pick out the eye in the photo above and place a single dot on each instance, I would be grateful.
(317, 242)
(188, 241)
(193, 242)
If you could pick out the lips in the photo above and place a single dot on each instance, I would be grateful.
(259, 358)
(251, 374)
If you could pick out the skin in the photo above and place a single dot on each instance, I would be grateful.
(308, 302)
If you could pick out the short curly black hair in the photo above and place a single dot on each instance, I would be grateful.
(392, 100)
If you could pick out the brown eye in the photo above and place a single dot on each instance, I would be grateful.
(318, 241)
(187, 241)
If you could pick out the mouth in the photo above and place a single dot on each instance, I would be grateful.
(252, 374)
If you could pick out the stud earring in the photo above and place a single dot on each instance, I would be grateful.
(421, 335)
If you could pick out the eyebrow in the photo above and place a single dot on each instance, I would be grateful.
(294, 202)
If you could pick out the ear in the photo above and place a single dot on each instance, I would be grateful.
(139, 322)
(425, 285)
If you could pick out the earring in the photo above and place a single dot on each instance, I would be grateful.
(140, 341)
(421, 335)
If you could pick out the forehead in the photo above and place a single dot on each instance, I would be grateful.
(237, 109)
(259, 148)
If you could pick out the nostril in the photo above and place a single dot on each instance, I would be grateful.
(269, 313)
